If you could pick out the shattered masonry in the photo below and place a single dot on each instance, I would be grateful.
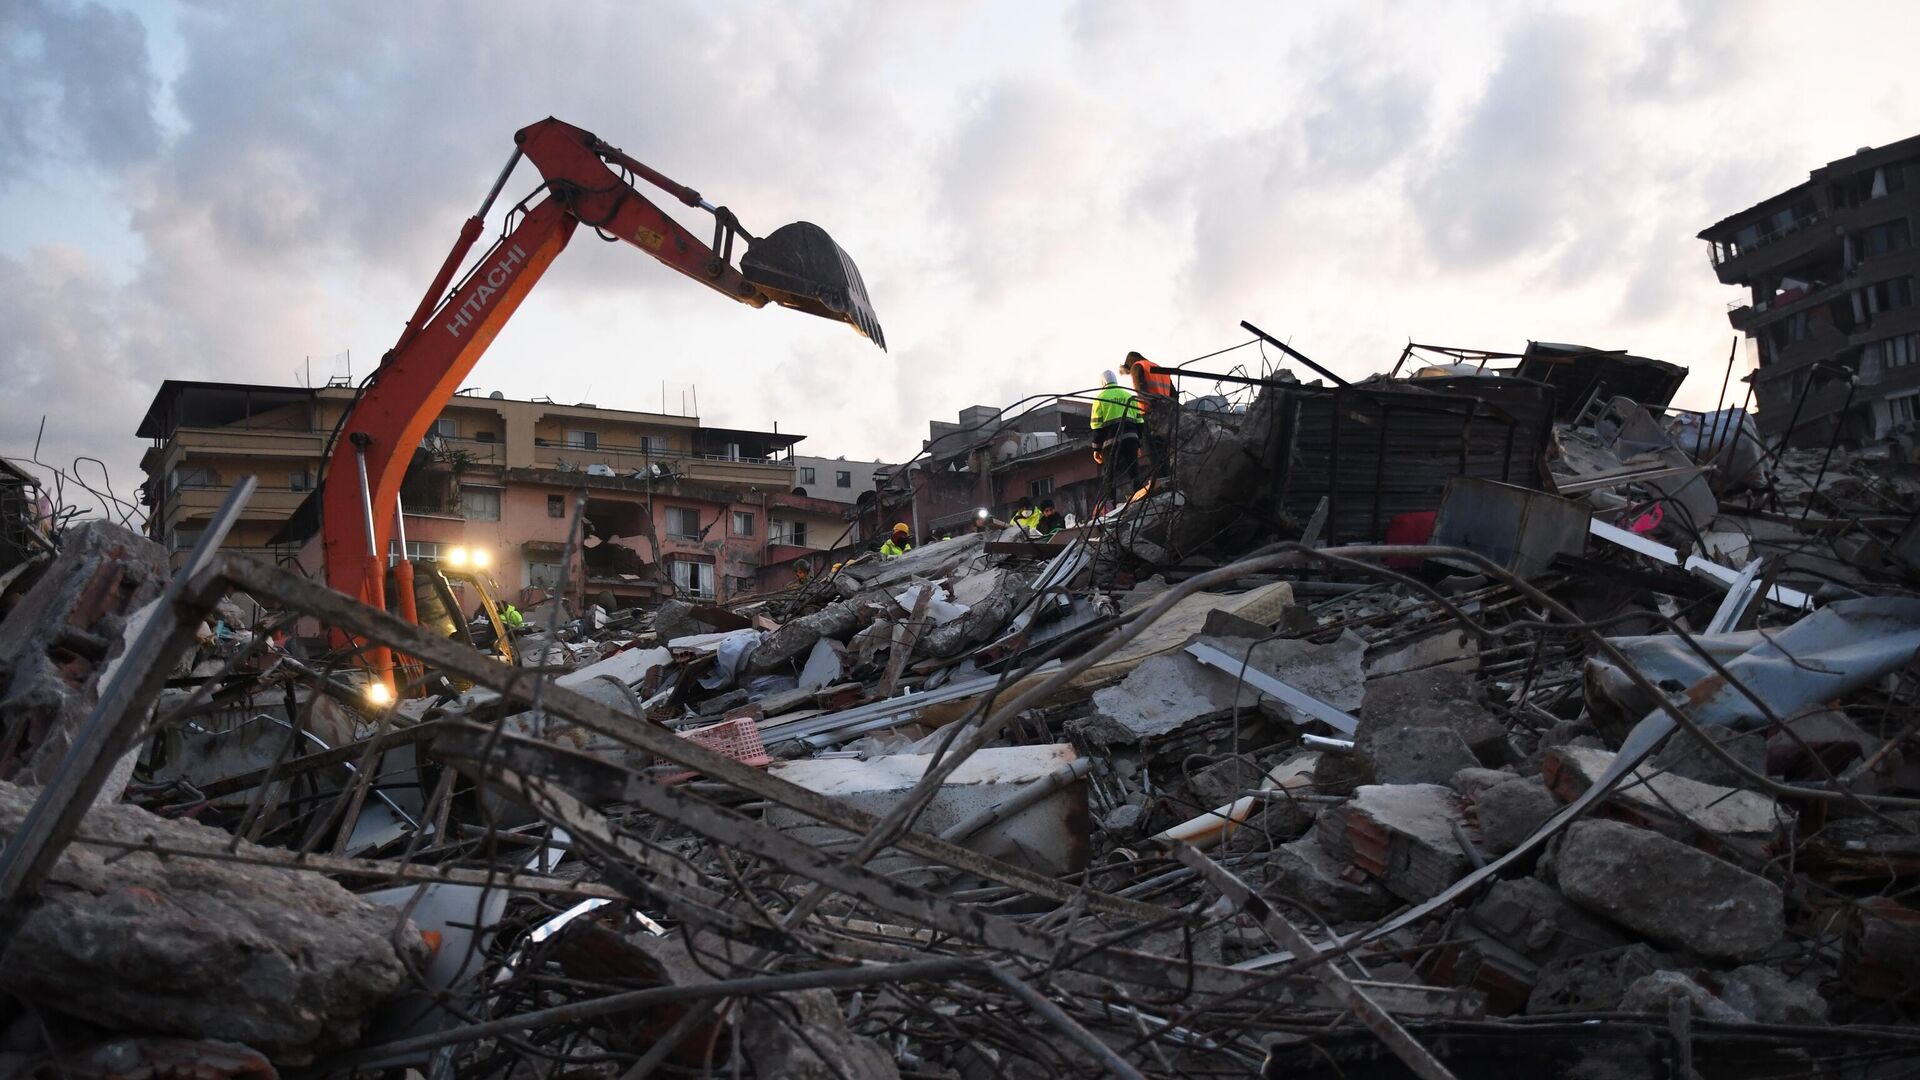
(1579, 745)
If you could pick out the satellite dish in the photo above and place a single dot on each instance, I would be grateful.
(496, 396)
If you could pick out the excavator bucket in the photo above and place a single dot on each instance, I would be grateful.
(800, 267)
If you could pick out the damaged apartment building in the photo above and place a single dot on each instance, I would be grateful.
(1829, 265)
(673, 507)
(989, 459)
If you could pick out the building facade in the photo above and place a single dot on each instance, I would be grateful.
(670, 507)
(987, 460)
(1829, 268)
(836, 479)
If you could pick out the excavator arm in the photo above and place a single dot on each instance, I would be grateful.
(585, 181)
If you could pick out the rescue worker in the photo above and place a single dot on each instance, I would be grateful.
(899, 543)
(1157, 405)
(1116, 432)
(802, 573)
(1050, 520)
(510, 616)
(1025, 516)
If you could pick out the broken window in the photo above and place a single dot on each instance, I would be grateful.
(742, 523)
(787, 532)
(583, 440)
(682, 523)
(1901, 410)
(480, 504)
(556, 506)
(691, 578)
(843, 478)
(544, 575)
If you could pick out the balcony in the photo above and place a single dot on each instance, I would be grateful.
(267, 502)
(632, 461)
(459, 451)
(246, 442)
(1779, 248)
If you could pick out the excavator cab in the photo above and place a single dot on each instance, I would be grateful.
(800, 267)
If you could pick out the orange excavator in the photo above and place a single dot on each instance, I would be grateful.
(585, 180)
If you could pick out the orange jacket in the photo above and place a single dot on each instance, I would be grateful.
(1151, 384)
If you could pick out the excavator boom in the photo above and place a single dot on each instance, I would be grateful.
(586, 181)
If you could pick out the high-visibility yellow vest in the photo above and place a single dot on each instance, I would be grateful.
(1114, 403)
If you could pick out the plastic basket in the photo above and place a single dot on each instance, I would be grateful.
(739, 739)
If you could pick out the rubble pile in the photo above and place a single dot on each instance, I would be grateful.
(1605, 773)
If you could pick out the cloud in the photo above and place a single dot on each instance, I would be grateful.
(77, 87)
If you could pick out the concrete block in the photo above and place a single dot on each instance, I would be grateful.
(1420, 755)
(1766, 996)
(283, 960)
(1668, 892)
(1656, 993)
(1401, 834)
(1509, 813)
(1303, 870)
(1594, 982)
(1439, 697)
(1050, 837)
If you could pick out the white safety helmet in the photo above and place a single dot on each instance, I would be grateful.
(1108, 378)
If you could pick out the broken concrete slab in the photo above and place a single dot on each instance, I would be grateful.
(1668, 892)
(283, 960)
(1050, 836)
(1438, 697)
(984, 617)
(1401, 834)
(58, 642)
(1674, 804)
(1159, 697)
(796, 638)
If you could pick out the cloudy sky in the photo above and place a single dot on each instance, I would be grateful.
(223, 190)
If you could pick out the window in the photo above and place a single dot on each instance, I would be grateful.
(300, 481)
(1901, 410)
(544, 575)
(843, 478)
(201, 477)
(1883, 238)
(480, 504)
(185, 536)
(742, 523)
(787, 532)
(806, 474)
(484, 436)
(556, 506)
(683, 524)
(447, 427)
(1041, 487)
(733, 451)
(693, 578)
(417, 550)
(583, 440)
(654, 444)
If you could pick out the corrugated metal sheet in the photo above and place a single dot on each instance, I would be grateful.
(1379, 449)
